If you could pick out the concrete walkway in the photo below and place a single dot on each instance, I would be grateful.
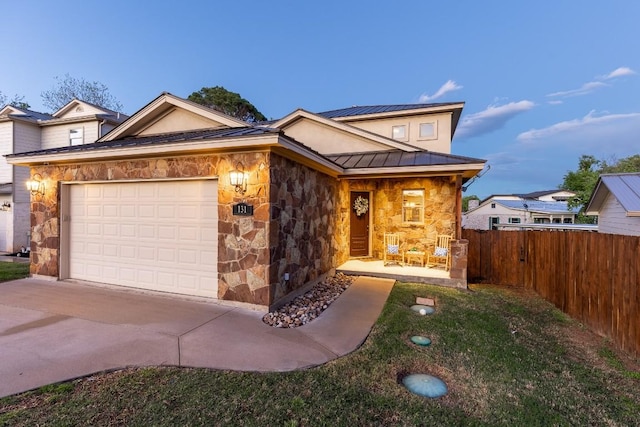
(56, 331)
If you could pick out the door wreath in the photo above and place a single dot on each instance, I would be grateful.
(361, 205)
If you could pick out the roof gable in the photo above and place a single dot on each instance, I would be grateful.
(625, 187)
(169, 113)
(327, 136)
(78, 108)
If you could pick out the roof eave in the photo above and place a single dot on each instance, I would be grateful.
(137, 151)
(467, 171)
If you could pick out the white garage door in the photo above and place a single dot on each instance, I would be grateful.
(159, 235)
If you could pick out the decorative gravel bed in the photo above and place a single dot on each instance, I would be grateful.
(307, 307)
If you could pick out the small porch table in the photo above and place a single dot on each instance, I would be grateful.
(413, 256)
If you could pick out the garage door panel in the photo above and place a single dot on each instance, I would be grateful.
(149, 235)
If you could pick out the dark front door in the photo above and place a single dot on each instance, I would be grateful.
(359, 239)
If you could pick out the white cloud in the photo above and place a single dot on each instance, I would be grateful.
(619, 72)
(583, 90)
(555, 102)
(593, 85)
(592, 124)
(449, 86)
(491, 119)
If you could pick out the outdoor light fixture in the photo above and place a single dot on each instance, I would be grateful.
(5, 206)
(35, 185)
(239, 178)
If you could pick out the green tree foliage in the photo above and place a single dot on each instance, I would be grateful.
(230, 103)
(68, 88)
(583, 180)
(16, 101)
(465, 201)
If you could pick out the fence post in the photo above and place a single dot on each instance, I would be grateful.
(459, 258)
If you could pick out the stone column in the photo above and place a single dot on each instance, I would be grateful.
(459, 255)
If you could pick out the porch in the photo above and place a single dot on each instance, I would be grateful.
(406, 273)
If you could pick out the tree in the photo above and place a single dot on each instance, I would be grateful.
(465, 201)
(230, 103)
(583, 181)
(69, 88)
(16, 101)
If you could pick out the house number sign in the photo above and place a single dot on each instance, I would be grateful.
(243, 209)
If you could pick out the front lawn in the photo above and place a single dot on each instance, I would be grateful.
(13, 270)
(508, 358)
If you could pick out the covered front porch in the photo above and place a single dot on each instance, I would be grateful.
(405, 273)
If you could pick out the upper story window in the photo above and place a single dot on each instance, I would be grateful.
(76, 136)
(399, 132)
(493, 205)
(428, 130)
(413, 206)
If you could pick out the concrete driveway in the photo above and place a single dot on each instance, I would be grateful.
(56, 331)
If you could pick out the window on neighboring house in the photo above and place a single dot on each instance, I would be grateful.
(514, 220)
(493, 205)
(76, 136)
(567, 221)
(399, 132)
(413, 206)
(557, 221)
(493, 222)
(428, 130)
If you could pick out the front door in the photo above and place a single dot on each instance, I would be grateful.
(359, 238)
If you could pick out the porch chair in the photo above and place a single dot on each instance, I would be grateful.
(391, 249)
(441, 254)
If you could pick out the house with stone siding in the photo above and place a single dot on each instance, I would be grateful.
(152, 205)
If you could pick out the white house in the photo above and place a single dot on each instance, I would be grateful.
(616, 201)
(540, 207)
(23, 130)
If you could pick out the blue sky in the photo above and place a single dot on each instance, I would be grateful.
(543, 82)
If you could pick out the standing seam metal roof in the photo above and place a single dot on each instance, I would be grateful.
(155, 139)
(625, 188)
(376, 109)
(394, 158)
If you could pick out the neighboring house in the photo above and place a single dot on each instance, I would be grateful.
(152, 204)
(23, 130)
(540, 207)
(616, 201)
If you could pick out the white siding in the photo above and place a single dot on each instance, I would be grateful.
(58, 135)
(613, 219)
(6, 147)
(478, 219)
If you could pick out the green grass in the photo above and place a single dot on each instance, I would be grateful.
(13, 271)
(508, 358)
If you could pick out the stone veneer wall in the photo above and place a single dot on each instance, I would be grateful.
(243, 246)
(303, 225)
(386, 208)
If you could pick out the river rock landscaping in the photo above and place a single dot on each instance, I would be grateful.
(308, 307)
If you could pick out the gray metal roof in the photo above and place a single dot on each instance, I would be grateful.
(26, 113)
(395, 158)
(376, 109)
(155, 140)
(625, 187)
(538, 206)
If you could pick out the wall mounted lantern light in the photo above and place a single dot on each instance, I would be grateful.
(239, 178)
(5, 206)
(35, 185)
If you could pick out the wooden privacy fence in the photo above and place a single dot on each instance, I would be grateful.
(592, 277)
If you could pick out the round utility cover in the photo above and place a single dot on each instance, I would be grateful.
(425, 385)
